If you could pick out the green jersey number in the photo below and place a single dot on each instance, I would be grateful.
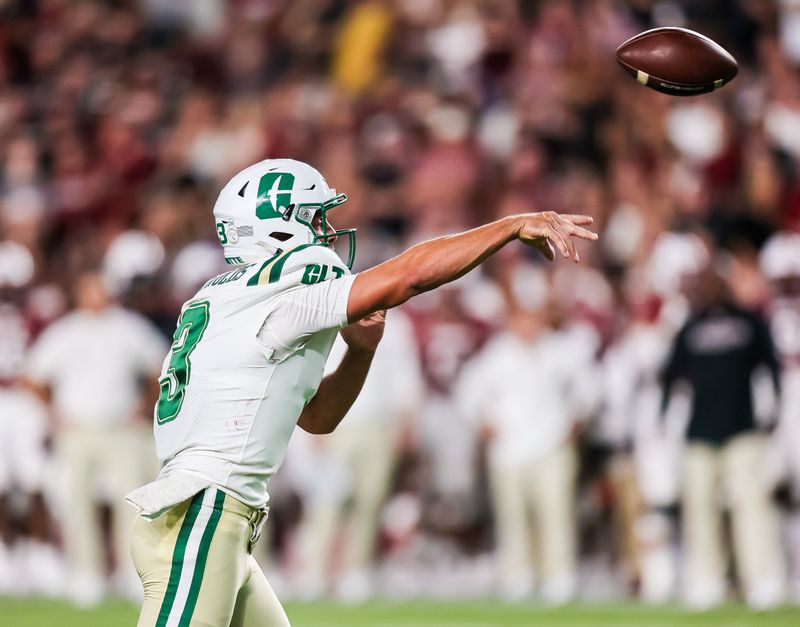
(191, 326)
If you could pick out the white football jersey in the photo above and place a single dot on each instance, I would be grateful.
(248, 354)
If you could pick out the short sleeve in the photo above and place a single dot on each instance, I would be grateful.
(302, 311)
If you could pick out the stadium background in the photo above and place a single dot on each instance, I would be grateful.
(120, 121)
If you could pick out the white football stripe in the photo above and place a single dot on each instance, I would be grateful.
(190, 557)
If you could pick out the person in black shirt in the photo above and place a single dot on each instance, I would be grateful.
(719, 357)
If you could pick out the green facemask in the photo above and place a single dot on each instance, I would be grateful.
(326, 235)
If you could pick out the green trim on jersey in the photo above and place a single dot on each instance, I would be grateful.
(277, 268)
(256, 278)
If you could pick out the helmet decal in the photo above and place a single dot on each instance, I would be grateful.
(274, 194)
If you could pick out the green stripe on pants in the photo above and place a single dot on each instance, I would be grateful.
(202, 556)
(177, 559)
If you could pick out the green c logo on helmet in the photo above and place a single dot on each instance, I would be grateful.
(274, 194)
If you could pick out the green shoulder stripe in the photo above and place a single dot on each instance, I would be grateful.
(277, 268)
(254, 280)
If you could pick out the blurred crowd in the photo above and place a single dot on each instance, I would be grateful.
(626, 426)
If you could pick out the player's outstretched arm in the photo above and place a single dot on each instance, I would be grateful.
(430, 264)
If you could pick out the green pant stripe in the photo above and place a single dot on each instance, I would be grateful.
(177, 559)
(277, 268)
(202, 557)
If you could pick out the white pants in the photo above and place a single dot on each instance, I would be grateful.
(365, 455)
(730, 475)
(541, 492)
(787, 443)
(113, 461)
(23, 426)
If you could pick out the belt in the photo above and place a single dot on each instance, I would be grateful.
(256, 517)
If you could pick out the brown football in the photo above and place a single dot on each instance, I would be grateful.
(677, 61)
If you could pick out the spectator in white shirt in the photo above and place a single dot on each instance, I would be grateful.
(353, 468)
(529, 388)
(95, 367)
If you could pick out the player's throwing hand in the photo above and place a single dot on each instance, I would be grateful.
(542, 230)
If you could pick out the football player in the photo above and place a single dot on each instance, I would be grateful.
(246, 366)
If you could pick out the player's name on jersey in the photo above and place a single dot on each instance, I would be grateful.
(229, 277)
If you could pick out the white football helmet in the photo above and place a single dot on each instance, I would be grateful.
(270, 207)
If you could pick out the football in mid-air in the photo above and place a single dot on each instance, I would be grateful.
(677, 61)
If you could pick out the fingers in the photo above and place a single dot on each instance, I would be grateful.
(567, 229)
(570, 222)
(578, 231)
(552, 232)
(583, 233)
(573, 252)
(560, 231)
(577, 218)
